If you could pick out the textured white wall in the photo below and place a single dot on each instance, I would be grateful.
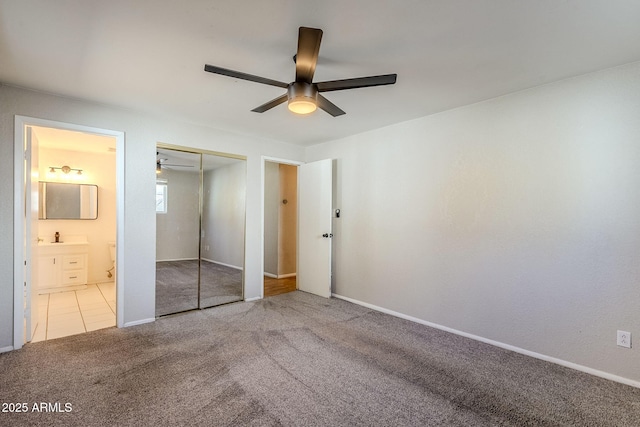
(224, 213)
(516, 219)
(177, 231)
(143, 132)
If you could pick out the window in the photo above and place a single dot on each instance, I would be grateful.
(161, 197)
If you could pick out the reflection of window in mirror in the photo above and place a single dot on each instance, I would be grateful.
(161, 197)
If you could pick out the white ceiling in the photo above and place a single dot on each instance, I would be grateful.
(149, 55)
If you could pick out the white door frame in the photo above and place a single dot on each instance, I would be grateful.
(19, 216)
(262, 180)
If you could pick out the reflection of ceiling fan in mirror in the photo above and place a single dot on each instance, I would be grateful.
(161, 163)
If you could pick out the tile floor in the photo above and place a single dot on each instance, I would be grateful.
(74, 312)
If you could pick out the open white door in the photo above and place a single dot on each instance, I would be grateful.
(31, 234)
(314, 227)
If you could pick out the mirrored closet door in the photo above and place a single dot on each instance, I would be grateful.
(200, 229)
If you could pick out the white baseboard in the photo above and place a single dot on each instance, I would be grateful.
(177, 259)
(252, 299)
(223, 264)
(509, 347)
(5, 349)
(140, 322)
(273, 276)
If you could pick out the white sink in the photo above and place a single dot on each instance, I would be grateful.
(67, 241)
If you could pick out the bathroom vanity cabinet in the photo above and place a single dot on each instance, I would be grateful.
(62, 266)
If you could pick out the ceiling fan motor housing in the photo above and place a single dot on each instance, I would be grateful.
(303, 97)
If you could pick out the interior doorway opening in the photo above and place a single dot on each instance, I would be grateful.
(67, 239)
(280, 228)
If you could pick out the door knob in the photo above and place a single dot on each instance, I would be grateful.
(327, 235)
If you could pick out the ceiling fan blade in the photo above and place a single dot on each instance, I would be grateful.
(386, 79)
(269, 105)
(307, 56)
(243, 76)
(329, 106)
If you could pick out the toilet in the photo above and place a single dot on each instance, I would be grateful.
(112, 251)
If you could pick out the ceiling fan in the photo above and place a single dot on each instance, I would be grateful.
(161, 163)
(303, 95)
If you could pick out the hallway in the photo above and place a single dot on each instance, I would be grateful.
(274, 286)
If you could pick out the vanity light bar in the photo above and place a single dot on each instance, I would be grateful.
(65, 169)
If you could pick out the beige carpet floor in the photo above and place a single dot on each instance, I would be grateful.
(298, 360)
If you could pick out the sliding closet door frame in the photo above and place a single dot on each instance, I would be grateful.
(201, 153)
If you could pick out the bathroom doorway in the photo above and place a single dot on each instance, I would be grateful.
(71, 270)
(280, 227)
(200, 229)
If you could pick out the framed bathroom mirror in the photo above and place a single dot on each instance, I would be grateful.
(67, 201)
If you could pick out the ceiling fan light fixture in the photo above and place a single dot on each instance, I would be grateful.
(302, 106)
(303, 98)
